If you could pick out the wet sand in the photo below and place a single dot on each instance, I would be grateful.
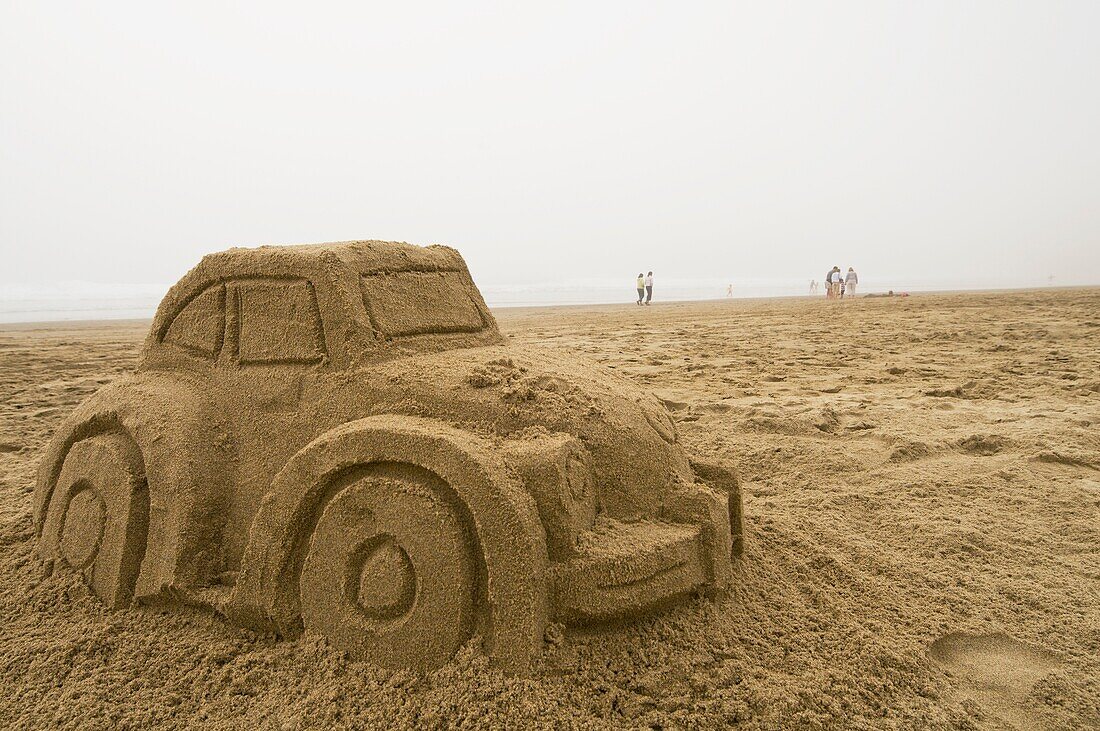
(922, 499)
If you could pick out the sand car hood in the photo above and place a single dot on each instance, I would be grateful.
(507, 391)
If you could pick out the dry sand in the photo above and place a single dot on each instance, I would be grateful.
(922, 499)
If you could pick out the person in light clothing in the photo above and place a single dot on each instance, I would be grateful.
(648, 287)
(850, 282)
(641, 287)
(832, 287)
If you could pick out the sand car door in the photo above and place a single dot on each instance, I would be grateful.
(272, 360)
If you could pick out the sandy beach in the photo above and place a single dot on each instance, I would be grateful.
(922, 506)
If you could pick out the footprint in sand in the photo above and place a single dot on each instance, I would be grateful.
(672, 402)
(996, 671)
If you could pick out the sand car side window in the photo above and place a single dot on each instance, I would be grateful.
(199, 326)
(278, 322)
(421, 303)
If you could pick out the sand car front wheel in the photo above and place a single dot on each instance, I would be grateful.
(390, 575)
(98, 515)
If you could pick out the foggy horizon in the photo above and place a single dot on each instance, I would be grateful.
(932, 143)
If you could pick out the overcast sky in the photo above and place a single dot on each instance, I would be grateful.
(555, 141)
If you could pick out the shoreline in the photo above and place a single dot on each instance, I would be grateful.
(81, 323)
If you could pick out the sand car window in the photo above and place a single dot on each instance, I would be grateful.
(278, 322)
(421, 303)
(198, 326)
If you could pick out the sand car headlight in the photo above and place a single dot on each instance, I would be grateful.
(557, 472)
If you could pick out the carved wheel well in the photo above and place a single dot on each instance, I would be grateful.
(511, 544)
(98, 425)
(336, 482)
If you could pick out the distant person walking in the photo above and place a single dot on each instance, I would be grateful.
(648, 287)
(850, 282)
(641, 287)
(836, 286)
(813, 286)
(729, 291)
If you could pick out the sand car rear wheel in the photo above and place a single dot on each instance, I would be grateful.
(390, 575)
(98, 515)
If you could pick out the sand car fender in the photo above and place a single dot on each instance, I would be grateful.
(510, 538)
(184, 449)
(722, 478)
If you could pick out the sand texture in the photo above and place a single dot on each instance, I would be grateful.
(921, 483)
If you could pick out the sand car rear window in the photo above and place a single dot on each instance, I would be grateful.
(421, 303)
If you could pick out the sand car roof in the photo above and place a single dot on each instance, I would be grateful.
(365, 257)
(396, 274)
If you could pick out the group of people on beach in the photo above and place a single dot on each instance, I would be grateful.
(645, 288)
(837, 284)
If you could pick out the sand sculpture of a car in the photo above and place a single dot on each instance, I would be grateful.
(337, 438)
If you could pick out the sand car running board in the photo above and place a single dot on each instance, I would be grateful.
(627, 568)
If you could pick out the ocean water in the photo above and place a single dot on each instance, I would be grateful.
(97, 301)
(78, 301)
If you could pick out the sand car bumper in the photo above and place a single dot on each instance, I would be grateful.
(628, 568)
